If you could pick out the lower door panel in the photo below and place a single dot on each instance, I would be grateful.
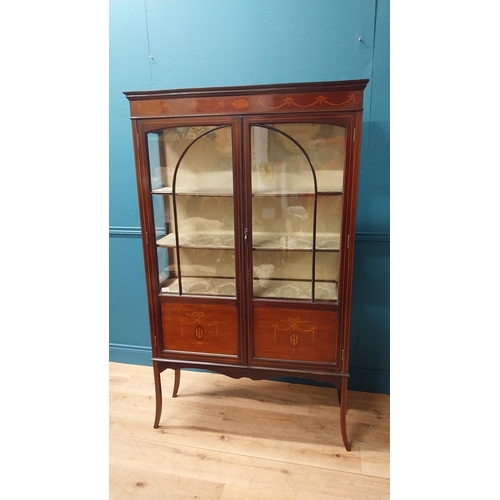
(295, 335)
(200, 328)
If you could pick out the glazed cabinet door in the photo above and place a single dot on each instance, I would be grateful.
(190, 200)
(297, 203)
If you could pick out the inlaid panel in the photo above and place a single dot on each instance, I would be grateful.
(295, 335)
(199, 328)
(340, 96)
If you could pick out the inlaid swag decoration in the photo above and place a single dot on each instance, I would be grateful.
(210, 105)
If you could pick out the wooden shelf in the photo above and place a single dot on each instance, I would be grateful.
(261, 241)
(262, 288)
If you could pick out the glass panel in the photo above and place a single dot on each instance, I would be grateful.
(282, 221)
(328, 222)
(327, 275)
(192, 187)
(203, 272)
(282, 274)
(297, 209)
(279, 163)
(206, 166)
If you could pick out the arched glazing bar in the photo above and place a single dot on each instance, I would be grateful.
(174, 201)
(315, 203)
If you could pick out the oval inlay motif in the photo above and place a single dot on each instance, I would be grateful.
(199, 333)
(266, 171)
(240, 104)
(294, 339)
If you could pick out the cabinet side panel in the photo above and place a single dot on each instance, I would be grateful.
(200, 328)
(295, 335)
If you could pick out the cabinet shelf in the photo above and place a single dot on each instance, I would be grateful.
(261, 241)
(229, 192)
(268, 289)
(194, 192)
(295, 241)
(220, 184)
(330, 182)
(295, 193)
(291, 289)
(208, 240)
(214, 183)
(201, 286)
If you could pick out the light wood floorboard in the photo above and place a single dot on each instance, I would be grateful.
(227, 439)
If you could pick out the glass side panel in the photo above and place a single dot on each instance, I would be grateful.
(297, 182)
(193, 207)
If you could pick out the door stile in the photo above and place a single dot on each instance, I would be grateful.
(239, 224)
(349, 230)
(246, 234)
(148, 233)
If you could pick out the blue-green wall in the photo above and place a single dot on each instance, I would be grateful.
(197, 43)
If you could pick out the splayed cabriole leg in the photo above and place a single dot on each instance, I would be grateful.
(158, 396)
(177, 380)
(343, 412)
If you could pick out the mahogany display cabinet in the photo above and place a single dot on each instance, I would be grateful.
(247, 202)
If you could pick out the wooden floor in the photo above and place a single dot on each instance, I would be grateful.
(229, 439)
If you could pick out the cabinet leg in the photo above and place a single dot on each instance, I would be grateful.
(158, 396)
(177, 380)
(343, 412)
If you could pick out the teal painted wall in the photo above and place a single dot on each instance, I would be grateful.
(197, 43)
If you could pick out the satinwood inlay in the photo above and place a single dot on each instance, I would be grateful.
(240, 104)
(294, 327)
(199, 332)
(294, 339)
(198, 319)
(321, 99)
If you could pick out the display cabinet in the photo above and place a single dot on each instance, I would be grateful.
(247, 202)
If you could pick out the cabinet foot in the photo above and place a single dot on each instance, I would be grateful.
(342, 392)
(177, 379)
(158, 396)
